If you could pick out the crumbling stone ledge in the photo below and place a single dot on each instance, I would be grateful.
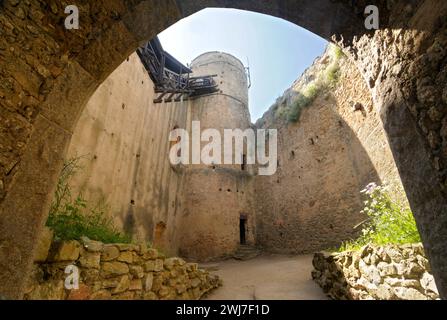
(116, 271)
(376, 273)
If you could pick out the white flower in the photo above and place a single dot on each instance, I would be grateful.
(370, 188)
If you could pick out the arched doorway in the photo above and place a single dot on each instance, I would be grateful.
(49, 74)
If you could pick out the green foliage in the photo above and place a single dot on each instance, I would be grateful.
(388, 221)
(294, 112)
(71, 218)
(337, 53)
(332, 74)
(303, 100)
(312, 90)
(327, 79)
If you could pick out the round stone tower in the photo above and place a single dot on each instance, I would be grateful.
(229, 108)
(219, 214)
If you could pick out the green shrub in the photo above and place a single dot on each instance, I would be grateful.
(388, 221)
(312, 90)
(327, 79)
(337, 53)
(303, 100)
(71, 218)
(332, 74)
(294, 111)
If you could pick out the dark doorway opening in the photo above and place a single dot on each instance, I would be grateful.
(242, 229)
(244, 162)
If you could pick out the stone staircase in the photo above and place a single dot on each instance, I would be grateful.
(246, 252)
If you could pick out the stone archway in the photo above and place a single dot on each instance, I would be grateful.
(48, 74)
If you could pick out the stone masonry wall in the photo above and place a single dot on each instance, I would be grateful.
(114, 271)
(376, 273)
(405, 66)
(217, 195)
(313, 202)
(122, 139)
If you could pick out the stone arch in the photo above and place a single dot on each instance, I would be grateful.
(48, 74)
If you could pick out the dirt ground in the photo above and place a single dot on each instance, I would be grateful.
(274, 277)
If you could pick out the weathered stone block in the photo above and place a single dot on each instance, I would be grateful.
(90, 275)
(394, 254)
(114, 268)
(428, 283)
(195, 282)
(91, 245)
(197, 293)
(65, 251)
(409, 294)
(157, 283)
(371, 273)
(136, 285)
(101, 295)
(51, 290)
(423, 262)
(123, 285)
(166, 293)
(180, 288)
(110, 252)
(111, 283)
(405, 283)
(387, 269)
(191, 267)
(148, 281)
(136, 271)
(153, 265)
(149, 266)
(384, 292)
(171, 263)
(90, 259)
(137, 259)
(413, 271)
(126, 256)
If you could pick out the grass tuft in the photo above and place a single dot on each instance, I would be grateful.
(327, 79)
(72, 218)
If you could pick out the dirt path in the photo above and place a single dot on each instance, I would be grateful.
(273, 277)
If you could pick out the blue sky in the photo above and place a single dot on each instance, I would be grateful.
(278, 51)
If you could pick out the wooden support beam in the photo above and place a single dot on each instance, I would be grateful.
(160, 97)
(179, 97)
(169, 99)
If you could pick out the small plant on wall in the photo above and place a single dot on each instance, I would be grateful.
(388, 222)
(328, 78)
(73, 217)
